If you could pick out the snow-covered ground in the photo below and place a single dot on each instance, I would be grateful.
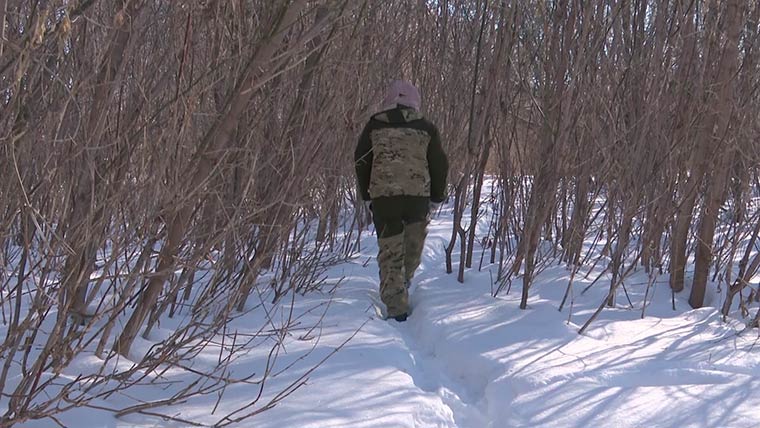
(466, 359)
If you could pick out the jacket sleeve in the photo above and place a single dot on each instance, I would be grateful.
(363, 163)
(438, 165)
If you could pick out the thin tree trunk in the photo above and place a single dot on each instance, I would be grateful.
(87, 236)
(727, 67)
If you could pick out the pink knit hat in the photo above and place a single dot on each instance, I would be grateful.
(402, 92)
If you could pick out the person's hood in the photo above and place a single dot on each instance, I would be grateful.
(402, 92)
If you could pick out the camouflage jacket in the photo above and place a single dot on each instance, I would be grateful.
(399, 153)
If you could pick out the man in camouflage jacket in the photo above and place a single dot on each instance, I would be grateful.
(402, 170)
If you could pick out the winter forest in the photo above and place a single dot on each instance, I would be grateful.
(182, 242)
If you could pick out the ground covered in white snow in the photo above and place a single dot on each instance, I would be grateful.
(466, 359)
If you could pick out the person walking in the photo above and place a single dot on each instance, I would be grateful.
(402, 170)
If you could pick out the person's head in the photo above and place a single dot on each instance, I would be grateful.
(402, 92)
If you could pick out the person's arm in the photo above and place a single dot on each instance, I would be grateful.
(438, 165)
(363, 163)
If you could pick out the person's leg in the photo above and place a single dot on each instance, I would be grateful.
(415, 231)
(390, 257)
(414, 242)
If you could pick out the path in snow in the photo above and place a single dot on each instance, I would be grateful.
(461, 391)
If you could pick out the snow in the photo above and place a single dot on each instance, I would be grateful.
(466, 359)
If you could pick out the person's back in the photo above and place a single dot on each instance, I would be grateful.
(401, 168)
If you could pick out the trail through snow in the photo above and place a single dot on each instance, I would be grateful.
(461, 392)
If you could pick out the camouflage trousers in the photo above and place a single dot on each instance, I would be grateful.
(401, 227)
